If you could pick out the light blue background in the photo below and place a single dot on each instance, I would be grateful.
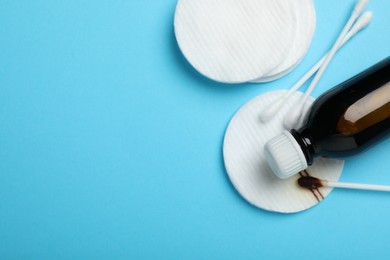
(110, 143)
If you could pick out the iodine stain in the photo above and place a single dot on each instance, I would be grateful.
(313, 188)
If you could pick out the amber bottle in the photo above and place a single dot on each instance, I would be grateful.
(342, 122)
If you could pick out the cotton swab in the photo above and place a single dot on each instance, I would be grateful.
(295, 114)
(361, 23)
(314, 183)
(269, 113)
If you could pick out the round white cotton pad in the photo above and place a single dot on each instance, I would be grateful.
(234, 41)
(306, 24)
(250, 174)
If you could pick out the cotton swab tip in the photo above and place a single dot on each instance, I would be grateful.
(309, 182)
(267, 115)
(271, 111)
(290, 121)
(361, 4)
(363, 21)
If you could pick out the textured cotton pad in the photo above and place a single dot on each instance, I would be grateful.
(250, 174)
(306, 23)
(235, 41)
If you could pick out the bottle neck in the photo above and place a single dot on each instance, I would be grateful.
(306, 144)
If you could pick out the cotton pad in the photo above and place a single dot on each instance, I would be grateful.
(305, 28)
(234, 41)
(250, 174)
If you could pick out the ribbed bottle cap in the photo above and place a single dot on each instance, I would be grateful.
(284, 155)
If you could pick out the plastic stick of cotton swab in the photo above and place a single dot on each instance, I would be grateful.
(313, 183)
(269, 113)
(292, 118)
(361, 23)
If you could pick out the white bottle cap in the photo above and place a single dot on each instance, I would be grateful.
(284, 155)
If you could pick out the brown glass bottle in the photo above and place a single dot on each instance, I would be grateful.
(343, 121)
